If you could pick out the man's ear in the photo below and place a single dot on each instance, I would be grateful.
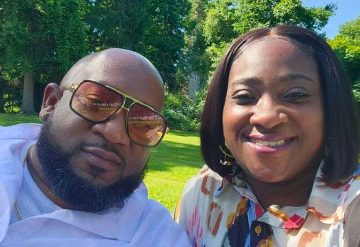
(52, 95)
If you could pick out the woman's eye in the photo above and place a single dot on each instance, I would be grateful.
(245, 99)
(296, 96)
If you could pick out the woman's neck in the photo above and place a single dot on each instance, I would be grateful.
(293, 192)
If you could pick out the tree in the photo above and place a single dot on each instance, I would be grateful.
(164, 36)
(117, 23)
(347, 46)
(195, 64)
(39, 40)
(228, 19)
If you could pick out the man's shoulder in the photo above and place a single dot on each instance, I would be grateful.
(19, 131)
(151, 209)
(156, 224)
(15, 141)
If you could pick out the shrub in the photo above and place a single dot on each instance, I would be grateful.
(182, 112)
(10, 96)
(356, 90)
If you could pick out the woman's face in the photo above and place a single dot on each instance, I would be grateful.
(273, 118)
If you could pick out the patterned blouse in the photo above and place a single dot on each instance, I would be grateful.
(218, 211)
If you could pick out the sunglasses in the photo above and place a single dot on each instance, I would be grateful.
(97, 103)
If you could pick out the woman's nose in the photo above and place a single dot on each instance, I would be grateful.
(268, 113)
(114, 129)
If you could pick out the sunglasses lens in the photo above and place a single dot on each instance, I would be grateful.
(145, 126)
(95, 102)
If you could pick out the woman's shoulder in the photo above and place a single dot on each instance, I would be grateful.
(205, 178)
(352, 212)
(353, 187)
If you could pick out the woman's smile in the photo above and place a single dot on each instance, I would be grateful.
(268, 145)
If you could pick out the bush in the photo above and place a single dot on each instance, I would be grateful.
(182, 112)
(10, 96)
(356, 90)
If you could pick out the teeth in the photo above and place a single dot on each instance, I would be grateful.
(271, 144)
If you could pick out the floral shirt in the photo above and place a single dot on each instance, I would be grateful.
(218, 211)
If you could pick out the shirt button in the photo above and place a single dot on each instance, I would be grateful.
(258, 230)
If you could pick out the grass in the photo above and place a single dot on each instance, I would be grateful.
(171, 163)
(10, 119)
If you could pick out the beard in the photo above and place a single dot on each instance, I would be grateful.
(77, 192)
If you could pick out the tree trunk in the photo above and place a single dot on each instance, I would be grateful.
(27, 106)
(194, 83)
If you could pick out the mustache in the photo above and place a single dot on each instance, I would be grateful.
(103, 145)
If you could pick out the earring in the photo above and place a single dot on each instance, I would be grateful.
(43, 114)
(228, 157)
(326, 152)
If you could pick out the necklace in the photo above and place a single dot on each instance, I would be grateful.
(17, 212)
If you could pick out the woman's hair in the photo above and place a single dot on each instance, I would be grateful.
(341, 124)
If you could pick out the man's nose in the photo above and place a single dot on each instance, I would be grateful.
(114, 129)
(268, 113)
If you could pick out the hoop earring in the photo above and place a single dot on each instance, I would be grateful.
(228, 157)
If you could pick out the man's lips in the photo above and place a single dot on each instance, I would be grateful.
(102, 158)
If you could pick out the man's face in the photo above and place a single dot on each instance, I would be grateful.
(73, 189)
(94, 166)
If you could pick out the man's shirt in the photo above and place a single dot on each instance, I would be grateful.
(141, 222)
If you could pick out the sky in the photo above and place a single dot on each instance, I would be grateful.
(347, 10)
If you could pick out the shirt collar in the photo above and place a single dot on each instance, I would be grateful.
(325, 202)
(114, 223)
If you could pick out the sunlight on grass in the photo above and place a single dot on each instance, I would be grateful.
(171, 164)
(10, 119)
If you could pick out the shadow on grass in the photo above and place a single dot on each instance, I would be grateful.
(172, 154)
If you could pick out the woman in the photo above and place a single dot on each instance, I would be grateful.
(280, 137)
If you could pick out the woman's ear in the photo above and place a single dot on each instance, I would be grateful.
(52, 95)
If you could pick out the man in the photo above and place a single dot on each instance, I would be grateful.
(77, 179)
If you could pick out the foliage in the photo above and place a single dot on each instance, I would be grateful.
(194, 59)
(9, 96)
(347, 46)
(117, 23)
(164, 37)
(182, 112)
(40, 37)
(356, 91)
(227, 19)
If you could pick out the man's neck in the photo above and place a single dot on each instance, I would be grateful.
(39, 177)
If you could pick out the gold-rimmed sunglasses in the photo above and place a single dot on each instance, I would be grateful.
(97, 103)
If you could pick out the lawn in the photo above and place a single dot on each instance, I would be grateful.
(171, 164)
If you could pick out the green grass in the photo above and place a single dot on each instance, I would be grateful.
(10, 119)
(171, 163)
